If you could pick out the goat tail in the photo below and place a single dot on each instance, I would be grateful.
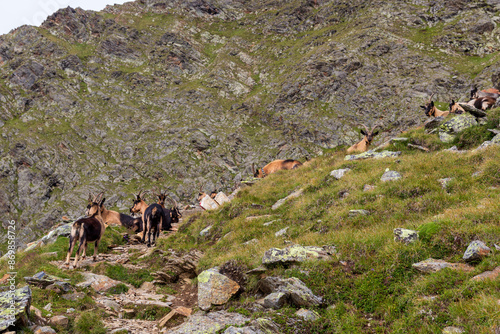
(155, 213)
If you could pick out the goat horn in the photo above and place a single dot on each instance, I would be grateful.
(430, 98)
(366, 128)
(172, 200)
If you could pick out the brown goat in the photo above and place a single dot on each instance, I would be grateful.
(85, 230)
(456, 108)
(275, 166)
(432, 111)
(111, 217)
(490, 92)
(362, 146)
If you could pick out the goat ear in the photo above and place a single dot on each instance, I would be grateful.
(363, 132)
(432, 104)
(423, 107)
(102, 202)
(375, 133)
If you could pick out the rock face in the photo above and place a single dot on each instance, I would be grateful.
(149, 103)
(291, 290)
(476, 251)
(214, 288)
(15, 308)
(297, 253)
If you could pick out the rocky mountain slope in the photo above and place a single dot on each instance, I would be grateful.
(182, 93)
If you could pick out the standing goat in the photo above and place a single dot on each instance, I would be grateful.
(275, 166)
(111, 217)
(167, 223)
(152, 217)
(85, 230)
(362, 146)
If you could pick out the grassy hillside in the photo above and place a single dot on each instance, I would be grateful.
(370, 285)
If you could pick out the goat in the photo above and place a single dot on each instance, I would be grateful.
(275, 166)
(362, 146)
(85, 230)
(432, 111)
(111, 217)
(152, 217)
(490, 92)
(456, 108)
(167, 223)
(482, 103)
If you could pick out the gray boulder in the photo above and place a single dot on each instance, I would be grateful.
(215, 288)
(390, 175)
(297, 253)
(373, 155)
(339, 173)
(293, 288)
(208, 323)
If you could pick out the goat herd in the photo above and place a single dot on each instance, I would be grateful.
(154, 218)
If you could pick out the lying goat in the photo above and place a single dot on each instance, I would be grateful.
(432, 111)
(484, 99)
(85, 230)
(456, 108)
(362, 146)
(275, 166)
(115, 218)
(152, 218)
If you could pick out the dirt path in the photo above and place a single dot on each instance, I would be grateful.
(120, 308)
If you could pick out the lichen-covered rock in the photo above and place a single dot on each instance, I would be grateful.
(307, 314)
(296, 292)
(275, 300)
(339, 173)
(222, 198)
(15, 308)
(444, 182)
(209, 323)
(390, 175)
(490, 274)
(257, 326)
(281, 232)
(215, 288)
(431, 266)
(360, 212)
(44, 280)
(59, 321)
(297, 253)
(44, 330)
(476, 251)
(372, 154)
(405, 235)
(452, 330)
(205, 231)
(455, 125)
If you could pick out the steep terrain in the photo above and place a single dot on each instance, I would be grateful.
(182, 93)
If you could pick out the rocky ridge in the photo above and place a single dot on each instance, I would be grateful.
(178, 93)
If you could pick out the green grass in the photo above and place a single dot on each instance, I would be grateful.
(379, 282)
